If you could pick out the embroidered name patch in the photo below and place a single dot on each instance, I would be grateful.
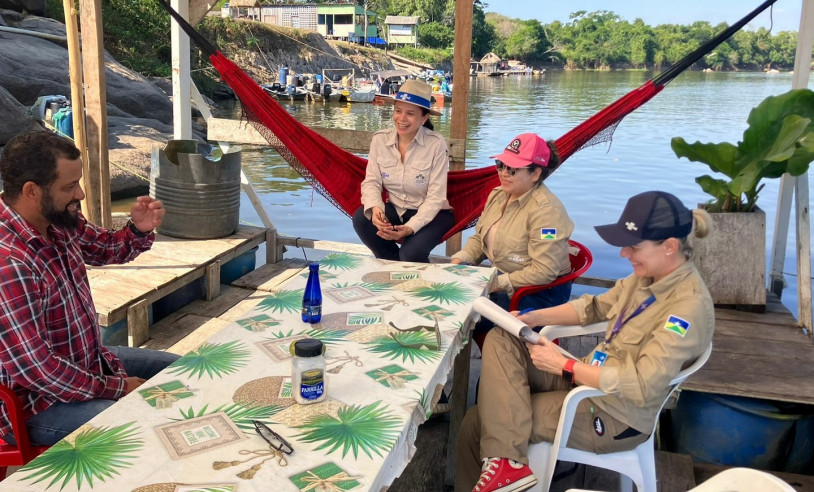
(677, 325)
(548, 233)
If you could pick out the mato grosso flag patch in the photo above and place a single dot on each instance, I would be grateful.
(677, 325)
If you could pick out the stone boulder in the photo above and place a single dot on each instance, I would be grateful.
(36, 7)
(13, 112)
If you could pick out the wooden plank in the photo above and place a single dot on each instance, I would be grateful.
(171, 264)
(97, 178)
(213, 280)
(270, 277)
(674, 472)
(771, 331)
(299, 242)
(457, 407)
(355, 141)
(229, 296)
(138, 324)
(241, 308)
(181, 332)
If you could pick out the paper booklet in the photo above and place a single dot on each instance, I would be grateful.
(502, 318)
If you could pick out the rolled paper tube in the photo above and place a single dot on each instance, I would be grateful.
(502, 318)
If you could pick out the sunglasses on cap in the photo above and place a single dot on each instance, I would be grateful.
(510, 170)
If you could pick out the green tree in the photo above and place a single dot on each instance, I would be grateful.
(435, 35)
(528, 43)
(483, 33)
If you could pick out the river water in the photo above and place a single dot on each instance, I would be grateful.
(594, 183)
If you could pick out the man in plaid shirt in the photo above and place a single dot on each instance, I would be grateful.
(51, 354)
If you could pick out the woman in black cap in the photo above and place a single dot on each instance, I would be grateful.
(660, 319)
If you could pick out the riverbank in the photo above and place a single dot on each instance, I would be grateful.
(139, 109)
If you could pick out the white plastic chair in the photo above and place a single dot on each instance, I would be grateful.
(635, 466)
(743, 480)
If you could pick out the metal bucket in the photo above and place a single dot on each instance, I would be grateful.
(200, 193)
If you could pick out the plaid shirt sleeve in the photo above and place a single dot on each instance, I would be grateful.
(102, 247)
(26, 357)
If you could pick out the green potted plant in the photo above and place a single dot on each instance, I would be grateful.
(778, 140)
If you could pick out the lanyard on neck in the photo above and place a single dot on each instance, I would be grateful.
(621, 320)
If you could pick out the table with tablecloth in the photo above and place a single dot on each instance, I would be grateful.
(191, 428)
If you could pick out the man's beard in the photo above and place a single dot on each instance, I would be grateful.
(59, 218)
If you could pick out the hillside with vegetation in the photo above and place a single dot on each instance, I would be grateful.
(137, 34)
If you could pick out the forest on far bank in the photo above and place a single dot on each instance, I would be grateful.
(136, 33)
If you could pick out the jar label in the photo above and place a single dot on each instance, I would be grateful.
(313, 384)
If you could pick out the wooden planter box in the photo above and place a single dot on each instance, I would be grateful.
(732, 260)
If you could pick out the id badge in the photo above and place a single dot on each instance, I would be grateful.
(599, 358)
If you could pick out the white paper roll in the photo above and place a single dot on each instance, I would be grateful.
(502, 318)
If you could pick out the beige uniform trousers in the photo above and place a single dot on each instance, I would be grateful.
(518, 404)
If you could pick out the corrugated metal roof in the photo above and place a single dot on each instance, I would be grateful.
(244, 3)
(401, 19)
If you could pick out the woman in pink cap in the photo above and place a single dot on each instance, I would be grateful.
(524, 228)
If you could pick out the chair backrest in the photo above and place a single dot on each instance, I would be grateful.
(682, 376)
(580, 258)
(23, 452)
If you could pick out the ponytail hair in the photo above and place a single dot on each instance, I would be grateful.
(701, 228)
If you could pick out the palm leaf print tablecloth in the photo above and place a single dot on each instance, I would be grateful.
(191, 427)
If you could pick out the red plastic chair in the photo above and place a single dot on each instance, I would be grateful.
(581, 259)
(23, 452)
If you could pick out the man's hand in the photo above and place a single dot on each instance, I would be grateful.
(147, 214)
(131, 383)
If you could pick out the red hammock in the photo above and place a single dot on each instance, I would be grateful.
(337, 174)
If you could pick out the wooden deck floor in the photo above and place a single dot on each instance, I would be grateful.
(125, 291)
(758, 355)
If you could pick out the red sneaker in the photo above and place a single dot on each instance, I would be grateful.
(505, 475)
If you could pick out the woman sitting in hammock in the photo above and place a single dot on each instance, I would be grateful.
(410, 162)
(524, 228)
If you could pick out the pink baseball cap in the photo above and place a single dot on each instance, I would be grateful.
(523, 150)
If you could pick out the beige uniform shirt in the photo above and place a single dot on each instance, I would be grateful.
(418, 183)
(652, 348)
(530, 245)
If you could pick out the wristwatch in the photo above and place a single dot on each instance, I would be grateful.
(568, 372)
(135, 230)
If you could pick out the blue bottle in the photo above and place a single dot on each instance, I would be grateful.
(312, 297)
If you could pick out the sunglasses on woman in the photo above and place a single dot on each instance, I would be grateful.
(510, 170)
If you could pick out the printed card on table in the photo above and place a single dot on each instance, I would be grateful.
(198, 435)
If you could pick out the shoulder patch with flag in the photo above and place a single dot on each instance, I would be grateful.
(677, 325)
(548, 233)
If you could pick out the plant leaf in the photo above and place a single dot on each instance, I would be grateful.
(719, 157)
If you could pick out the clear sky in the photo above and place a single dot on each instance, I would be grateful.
(786, 13)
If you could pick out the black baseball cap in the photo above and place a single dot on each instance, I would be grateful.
(652, 215)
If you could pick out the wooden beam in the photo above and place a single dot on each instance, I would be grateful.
(213, 280)
(77, 98)
(181, 114)
(93, 65)
(138, 324)
(460, 96)
(241, 131)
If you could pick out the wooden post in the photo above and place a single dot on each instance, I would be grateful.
(181, 115)
(93, 65)
(213, 280)
(460, 90)
(138, 324)
(799, 186)
(77, 99)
